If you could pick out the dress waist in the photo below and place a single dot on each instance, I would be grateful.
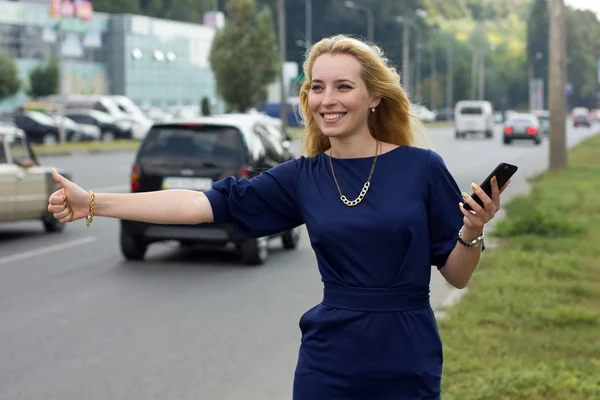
(374, 299)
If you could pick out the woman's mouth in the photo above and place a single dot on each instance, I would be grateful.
(332, 118)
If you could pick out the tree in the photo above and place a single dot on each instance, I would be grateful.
(538, 37)
(582, 32)
(243, 55)
(205, 107)
(9, 77)
(44, 80)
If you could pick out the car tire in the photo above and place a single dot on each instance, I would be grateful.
(458, 135)
(254, 251)
(132, 248)
(51, 224)
(489, 134)
(537, 141)
(291, 238)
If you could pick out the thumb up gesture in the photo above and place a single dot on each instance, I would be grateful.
(69, 203)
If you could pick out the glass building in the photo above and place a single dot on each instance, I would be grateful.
(153, 61)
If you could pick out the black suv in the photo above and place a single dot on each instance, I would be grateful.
(192, 154)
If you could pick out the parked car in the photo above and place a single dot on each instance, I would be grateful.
(473, 117)
(25, 185)
(522, 126)
(192, 154)
(41, 128)
(110, 127)
(581, 120)
(423, 113)
(268, 127)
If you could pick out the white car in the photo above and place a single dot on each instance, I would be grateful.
(25, 185)
(423, 113)
(473, 117)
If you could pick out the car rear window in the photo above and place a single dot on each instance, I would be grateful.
(194, 141)
(471, 110)
(522, 121)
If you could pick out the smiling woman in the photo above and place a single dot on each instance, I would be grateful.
(379, 212)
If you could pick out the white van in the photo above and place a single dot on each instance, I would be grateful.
(473, 116)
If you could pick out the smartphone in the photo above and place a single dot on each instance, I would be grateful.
(503, 173)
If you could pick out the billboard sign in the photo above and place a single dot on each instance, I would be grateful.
(78, 9)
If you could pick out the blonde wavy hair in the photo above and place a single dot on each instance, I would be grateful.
(392, 122)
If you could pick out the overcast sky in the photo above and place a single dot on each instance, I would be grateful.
(593, 5)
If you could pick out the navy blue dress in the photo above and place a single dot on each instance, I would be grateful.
(374, 336)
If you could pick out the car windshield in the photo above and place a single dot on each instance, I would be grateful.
(193, 141)
(41, 118)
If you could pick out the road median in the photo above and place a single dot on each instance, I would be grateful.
(64, 149)
(529, 326)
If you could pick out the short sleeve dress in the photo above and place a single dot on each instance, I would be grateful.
(374, 335)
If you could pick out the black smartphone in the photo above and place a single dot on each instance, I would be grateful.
(503, 173)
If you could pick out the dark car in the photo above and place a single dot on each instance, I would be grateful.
(522, 127)
(41, 128)
(192, 154)
(581, 120)
(110, 127)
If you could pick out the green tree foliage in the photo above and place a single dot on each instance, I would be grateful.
(583, 50)
(517, 29)
(44, 79)
(244, 55)
(205, 106)
(9, 77)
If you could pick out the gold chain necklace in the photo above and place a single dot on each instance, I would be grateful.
(366, 186)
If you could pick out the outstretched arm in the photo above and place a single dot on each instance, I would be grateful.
(161, 207)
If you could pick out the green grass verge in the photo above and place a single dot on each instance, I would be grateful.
(85, 146)
(529, 326)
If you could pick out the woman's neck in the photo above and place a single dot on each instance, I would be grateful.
(357, 146)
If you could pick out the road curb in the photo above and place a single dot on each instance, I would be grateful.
(81, 152)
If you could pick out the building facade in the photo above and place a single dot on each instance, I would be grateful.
(155, 62)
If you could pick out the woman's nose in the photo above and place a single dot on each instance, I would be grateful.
(329, 99)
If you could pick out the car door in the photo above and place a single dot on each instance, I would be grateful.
(31, 184)
(8, 184)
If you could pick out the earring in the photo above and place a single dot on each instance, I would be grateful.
(373, 109)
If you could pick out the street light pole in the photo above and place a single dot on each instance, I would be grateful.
(370, 18)
(308, 24)
(449, 75)
(282, 57)
(405, 54)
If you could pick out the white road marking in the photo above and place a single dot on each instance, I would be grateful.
(47, 249)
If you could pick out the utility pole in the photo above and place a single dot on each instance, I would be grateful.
(557, 148)
(283, 102)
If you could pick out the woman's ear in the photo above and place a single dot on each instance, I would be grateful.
(375, 100)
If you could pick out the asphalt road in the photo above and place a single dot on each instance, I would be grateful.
(78, 322)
